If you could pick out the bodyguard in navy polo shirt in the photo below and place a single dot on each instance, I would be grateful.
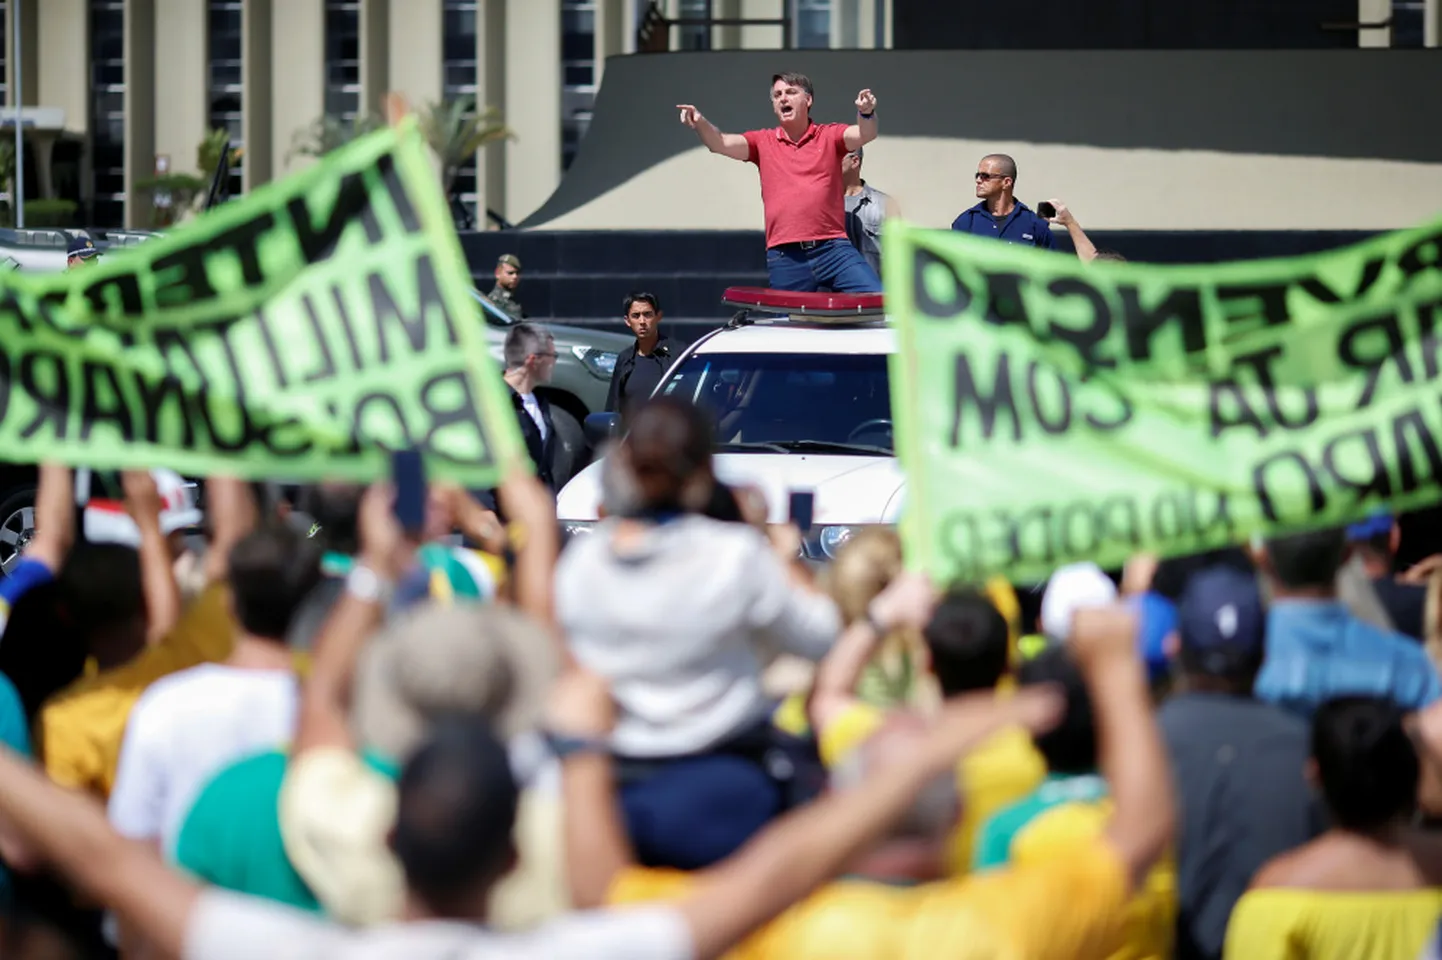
(999, 214)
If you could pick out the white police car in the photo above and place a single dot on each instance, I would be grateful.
(802, 402)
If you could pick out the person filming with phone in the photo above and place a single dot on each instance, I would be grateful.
(999, 214)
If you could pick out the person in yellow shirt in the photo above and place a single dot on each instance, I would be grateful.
(81, 728)
(892, 904)
(1371, 885)
(969, 647)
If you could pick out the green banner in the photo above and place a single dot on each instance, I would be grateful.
(1049, 410)
(298, 333)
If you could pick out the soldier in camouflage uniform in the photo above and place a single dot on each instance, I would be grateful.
(503, 294)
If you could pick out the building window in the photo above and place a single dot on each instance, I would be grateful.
(460, 73)
(342, 59)
(226, 92)
(578, 74)
(4, 52)
(813, 24)
(694, 38)
(107, 112)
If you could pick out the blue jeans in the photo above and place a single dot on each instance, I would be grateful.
(832, 265)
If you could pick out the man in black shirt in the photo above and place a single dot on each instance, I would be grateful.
(639, 367)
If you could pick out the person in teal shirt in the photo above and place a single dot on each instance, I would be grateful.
(231, 838)
(15, 734)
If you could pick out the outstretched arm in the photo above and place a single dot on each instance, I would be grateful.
(1085, 249)
(864, 130)
(731, 145)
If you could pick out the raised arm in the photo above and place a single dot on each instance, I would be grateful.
(1085, 249)
(233, 514)
(157, 568)
(864, 130)
(54, 517)
(731, 145)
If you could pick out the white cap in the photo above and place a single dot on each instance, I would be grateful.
(1072, 588)
(107, 522)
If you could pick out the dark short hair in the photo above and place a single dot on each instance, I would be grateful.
(456, 807)
(1071, 746)
(1309, 559)
(101, 588)
(272, 571)
(1366, 762)
(669, 441)
(640, 297)
(522, 341)
(335, 509)
(1111, 255)
(969, 642)
(799, 80)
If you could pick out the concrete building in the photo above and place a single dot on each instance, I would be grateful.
(115, 91)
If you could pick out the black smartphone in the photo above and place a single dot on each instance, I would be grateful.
(1046, 209)
(408, 474)
(802, 509)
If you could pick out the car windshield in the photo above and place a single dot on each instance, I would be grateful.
(785, 403)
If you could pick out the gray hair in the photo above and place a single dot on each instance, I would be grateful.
(522, 341)
(932, 815)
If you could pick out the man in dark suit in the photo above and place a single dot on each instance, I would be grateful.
(530, 356)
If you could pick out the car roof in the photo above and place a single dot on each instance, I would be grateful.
(782, 336)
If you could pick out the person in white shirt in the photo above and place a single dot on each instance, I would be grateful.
(680, 613)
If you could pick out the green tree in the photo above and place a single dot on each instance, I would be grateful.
(456, 130)
(330, 132)
(207, 154)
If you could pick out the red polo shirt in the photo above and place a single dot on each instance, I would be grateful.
(801, 182)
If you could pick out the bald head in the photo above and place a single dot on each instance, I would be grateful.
(1001, 163)
(935, 810)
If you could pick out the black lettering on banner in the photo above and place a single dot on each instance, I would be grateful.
(1004, 301)
(342, 311)
(961, 539)
(1062, 422)
(1322, 293)
(1085, 341)
(50, 308)
(271, 436)
(1427, 339)
(1425, 254)
(1000, 400)
(1090, 535)
(383, 305)
(1121, 420)
(1317, 498)
(386, 164)
(191, 281)
(352, 202)
(464, 412)
(124, 289)
(1272, 297)
(1261, 363)
(1408, 479)
(154, 395)
(200, 400)
(1350, 352)
(376, 399)
(954, 301)
(9, 303)
(52, 401)
(326, 369)
(1183, 306)
(262, 320)
(222, 328)
(1375, 481)
(1019, 529)
(353, 443)
(1228, 391)
(244, 240)
(99, 381)
(1121, 520)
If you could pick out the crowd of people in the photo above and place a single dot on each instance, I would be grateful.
(308, 731)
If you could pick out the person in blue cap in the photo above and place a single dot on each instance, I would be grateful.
(81, 251)
(1239, 763)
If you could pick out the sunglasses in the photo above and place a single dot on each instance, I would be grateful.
(984, 177)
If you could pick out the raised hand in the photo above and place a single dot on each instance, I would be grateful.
(690, 116)
(866, 102)
(1063, 215)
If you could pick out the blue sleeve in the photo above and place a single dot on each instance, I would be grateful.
(956, 224)
(27, 575)
(1043, 233)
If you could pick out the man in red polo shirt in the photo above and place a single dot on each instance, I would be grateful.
(800, 167)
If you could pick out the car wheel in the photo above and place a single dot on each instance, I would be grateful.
(17, 525)
(573, 453)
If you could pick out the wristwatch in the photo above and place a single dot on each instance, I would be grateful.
(866, 116)
(563, 745)
(363, 583)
